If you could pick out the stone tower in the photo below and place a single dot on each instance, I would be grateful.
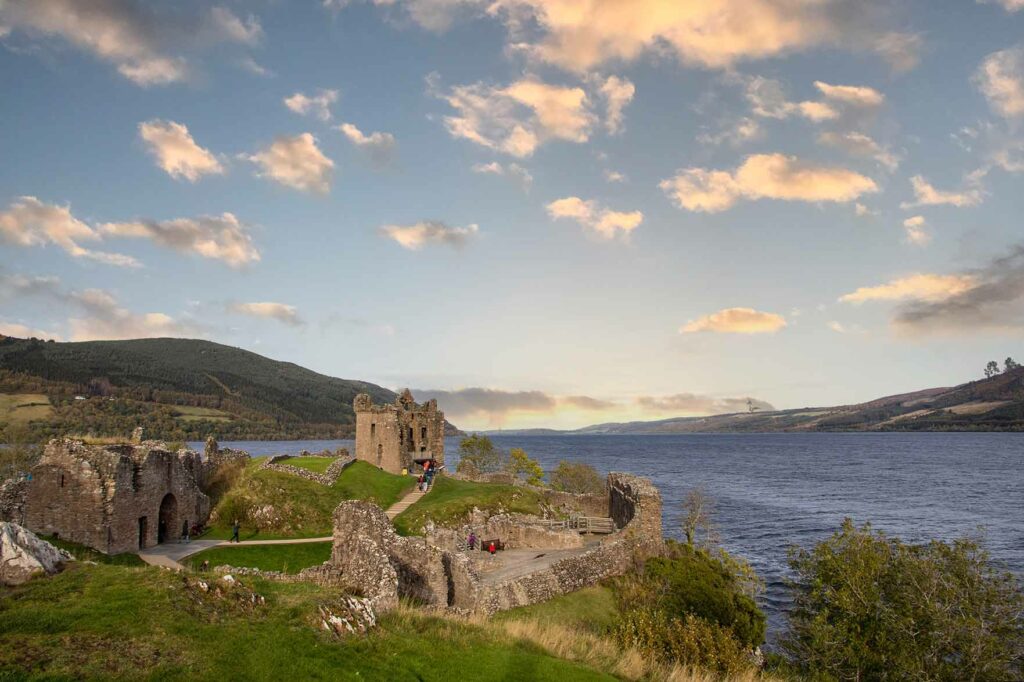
(393, 437)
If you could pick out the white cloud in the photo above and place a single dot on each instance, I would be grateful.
(429, 232)
(30, 222)
(604, 222)
(252, 66)
(1001, 79)
(735, 134)
(769, 101)
(837, 327)
(862, 211)
(1008, 5)
(917, 287)
(926, 195)
(380, 146)
(617, 93)
(614, 176)
(736, 321)
(176, 152)
(764, 176)
(318, 105)
(281, 312)
(851, 95)
(295, 162)
(24, 332)
(512, 170)
(131, 35)
(861, 145)
(916, 232)
(518, 118)
(221, 237)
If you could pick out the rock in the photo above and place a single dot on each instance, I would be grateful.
(23, 555)
(352, 615)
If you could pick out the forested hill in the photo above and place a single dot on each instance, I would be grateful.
(177, 388)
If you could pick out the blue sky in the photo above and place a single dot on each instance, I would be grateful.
(542, 213)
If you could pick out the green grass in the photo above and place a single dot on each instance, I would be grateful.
(284, 558)
(451, 500)
(592, 608)
(302, 508)
(83, 553)
(21, 408)
(114, 623)
(317, 465)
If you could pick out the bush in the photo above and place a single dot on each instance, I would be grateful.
(871, 607)
(477, 455)
(689, 640)
(522, 465)
(576, 477)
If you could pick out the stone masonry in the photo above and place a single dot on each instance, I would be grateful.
(392, 436)
(118, 498)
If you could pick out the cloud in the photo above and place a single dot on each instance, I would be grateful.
(470, 402)
(252, 66)
(916, 232)
(863, 211)
(994, 302)
(926, 195)
(318, 105)
(269, 310)
(861, 145)
(837, 327)
(30, 222)
(23, 332)
(518, 118)
(851, 95)
(429, 232)
(735, 134)
(580, 36)
(736, 321)
(99, 314)
(617, 93)
(917, 287)
(221, 237)
(1001, 79)
(380, 146)
(584, 402)
(512, 170)
(764, 176)
(614, 176)
(296, 162)
(767, 100)
(604, 222)
(695, 404)
(1008, 5)
(136, 37)
(176, 152)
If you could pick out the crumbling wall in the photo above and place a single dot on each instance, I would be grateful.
(280, 463)
(392, 436)
(13, 493)
(634, 501)
(515, 531)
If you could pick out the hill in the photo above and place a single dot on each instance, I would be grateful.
(178, 389)
(993, 404)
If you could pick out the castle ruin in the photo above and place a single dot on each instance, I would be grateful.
(396, 436)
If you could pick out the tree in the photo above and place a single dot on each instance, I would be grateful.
(477, 454)
(521, 465)
(576, 477)
(698, 519)
(1010, 364)
(991, 369)
(870, 607)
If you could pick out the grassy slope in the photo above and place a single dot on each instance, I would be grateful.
(451, 500)
(113, 622)
(592, 608)
(83, 553)
(21, 408)
(304, 507)
(284, 558)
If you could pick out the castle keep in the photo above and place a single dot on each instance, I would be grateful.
(394, 437)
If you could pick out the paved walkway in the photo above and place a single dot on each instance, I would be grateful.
(513, 563)
(404, 503)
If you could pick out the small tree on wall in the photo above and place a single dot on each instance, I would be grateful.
(477, 454)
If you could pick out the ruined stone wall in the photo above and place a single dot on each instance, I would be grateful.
(516, 531)
(564, 504)
(12, 500)
(280, 463)
(392, 436)
(634, 501)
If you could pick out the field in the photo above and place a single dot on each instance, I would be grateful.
(451, 500)
(195, 414)
(318, 465)
(21, 408)
(284, 558)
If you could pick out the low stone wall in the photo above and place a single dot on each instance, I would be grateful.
(516, 531)
(13, 494)
(279, 463)
(564, 504)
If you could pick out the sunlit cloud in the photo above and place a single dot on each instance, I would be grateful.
(926, 195)
(176, 152)
(686, 404)
(1001, 79)
(917, 287)
(281, 312)
(736, 321)
(861, 145)
(295, 162)
(915, 230)
(765, 176)
(512, 171)
(222, 237)
(318, 105)
(617, 93)
(429, 232)
(379, 146)
(601, 221)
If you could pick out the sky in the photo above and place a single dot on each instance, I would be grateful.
(540, 212)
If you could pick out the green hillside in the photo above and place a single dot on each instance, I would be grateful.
(176, 388)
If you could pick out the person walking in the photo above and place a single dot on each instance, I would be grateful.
(471, 541)
(235, 530)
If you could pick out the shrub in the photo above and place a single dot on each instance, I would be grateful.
(576, 477)
(871, 607)
(477, 454)
(522, 465)
(688, 640)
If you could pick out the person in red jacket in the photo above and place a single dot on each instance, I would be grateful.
(491, 548)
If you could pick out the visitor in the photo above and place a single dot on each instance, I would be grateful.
(491, 548)
(235, 530)
(184, 532)
(471, 541)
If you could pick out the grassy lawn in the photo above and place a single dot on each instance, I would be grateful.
(21, 408)
(317, 465)
(83, 553)
(300, 508)
(284, 558)
(112, 622)
(592, 608)
(451, 500)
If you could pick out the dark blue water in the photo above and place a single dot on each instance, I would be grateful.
(772, 491)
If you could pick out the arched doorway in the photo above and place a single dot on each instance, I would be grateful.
(167, 530)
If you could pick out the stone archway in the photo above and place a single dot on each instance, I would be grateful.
(167, 530)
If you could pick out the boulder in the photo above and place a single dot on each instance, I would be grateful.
(23, 555)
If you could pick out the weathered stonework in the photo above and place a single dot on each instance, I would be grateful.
(393, 436)
(12, 500)
(23, 555)
(119, 498)
(280, 463)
